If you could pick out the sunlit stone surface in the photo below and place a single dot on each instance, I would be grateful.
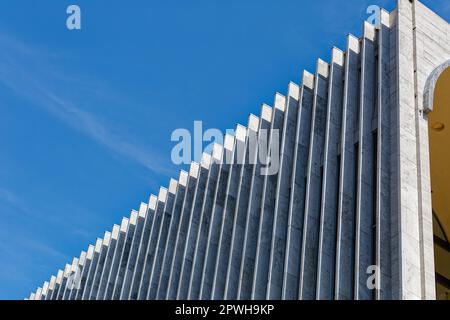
(352, 191)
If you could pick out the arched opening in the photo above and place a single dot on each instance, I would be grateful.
(439, 140)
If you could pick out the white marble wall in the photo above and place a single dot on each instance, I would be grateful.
(353, 190)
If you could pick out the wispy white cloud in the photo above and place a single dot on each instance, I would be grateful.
(16, 205)
(92, 126)
(11, 199)
(22, 253)
(30, 73)
(43, 249)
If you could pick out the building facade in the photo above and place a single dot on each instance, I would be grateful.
(356, 210)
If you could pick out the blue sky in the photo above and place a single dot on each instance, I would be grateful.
(86, 116)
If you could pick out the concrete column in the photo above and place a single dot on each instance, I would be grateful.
(162, 239)
(125, 254)
(38, 294)
(107, 265)
(100, 265)
(71, 279)
(140, 262)
(193, 227)
(345, 248)
(277, 248)
(383, 185)
(183, 182)
(294, 237)
(132, 258)
(44, 290)
(116, 260)
(310, 243)
(238, 229)
(202, 233)
(151, 247)
(188, 207)
(223, 255)
(63, 282)
(78, 272)
(254, 211)
(92, 268)
(51, 288)
(216, 221)
(330, 188)
(265, 229)
(78, 293)
(366, 206)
